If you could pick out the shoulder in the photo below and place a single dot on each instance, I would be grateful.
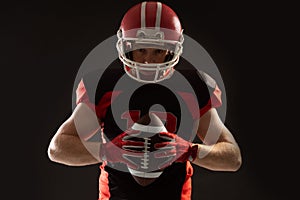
(195, 76)
(104, 76)
(95, 83)
(203, 85)
(114, 70)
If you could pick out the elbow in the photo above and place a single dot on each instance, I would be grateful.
(232, 161)
(51, 152)
(236, 165)
(55, 156)
(236, 162)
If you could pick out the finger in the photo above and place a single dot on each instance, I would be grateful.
(129, 154)
(133, 143)
(167, 136)
(132, 132)
(132, 138)
(137, 149)
(165, 154)
(165, 145)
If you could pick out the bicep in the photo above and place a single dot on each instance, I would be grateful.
(83, 122)
(211, 129)
(68, 146)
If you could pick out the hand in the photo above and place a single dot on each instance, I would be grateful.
(123, 150)
(177, 149)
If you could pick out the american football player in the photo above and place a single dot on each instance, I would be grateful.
(152, 159)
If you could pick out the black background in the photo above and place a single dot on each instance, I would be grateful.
(44, 43)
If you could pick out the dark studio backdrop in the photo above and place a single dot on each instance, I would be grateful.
(45, 43)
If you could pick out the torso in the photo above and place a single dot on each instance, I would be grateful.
(177, 101)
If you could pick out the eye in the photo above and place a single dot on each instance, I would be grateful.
(142, 50)
(159, 51)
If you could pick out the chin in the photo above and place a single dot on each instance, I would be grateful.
(143, 181)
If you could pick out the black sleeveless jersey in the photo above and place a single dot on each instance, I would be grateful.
(119, 101)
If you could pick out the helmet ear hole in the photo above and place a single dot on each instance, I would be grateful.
(129, 55)
(169, 57)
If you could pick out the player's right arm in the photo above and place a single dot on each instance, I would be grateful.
(69, 146)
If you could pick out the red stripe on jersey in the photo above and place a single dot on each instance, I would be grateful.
(187, 185)
(214, 101)
(101, 107)
(104, 193)
(105, 101)
(82, 96)
(191, 103)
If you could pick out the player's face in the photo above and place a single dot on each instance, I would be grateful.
(149, 55)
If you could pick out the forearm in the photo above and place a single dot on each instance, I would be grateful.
(70, 150)
(222, 156)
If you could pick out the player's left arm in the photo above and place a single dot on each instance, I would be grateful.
(219, 151)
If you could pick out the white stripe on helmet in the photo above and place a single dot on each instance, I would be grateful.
(158, 16)
(143, 15)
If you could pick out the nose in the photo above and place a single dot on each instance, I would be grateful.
(149, 58)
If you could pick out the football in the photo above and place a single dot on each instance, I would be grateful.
(149, 126)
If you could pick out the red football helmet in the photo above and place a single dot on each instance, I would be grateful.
(150, 25)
